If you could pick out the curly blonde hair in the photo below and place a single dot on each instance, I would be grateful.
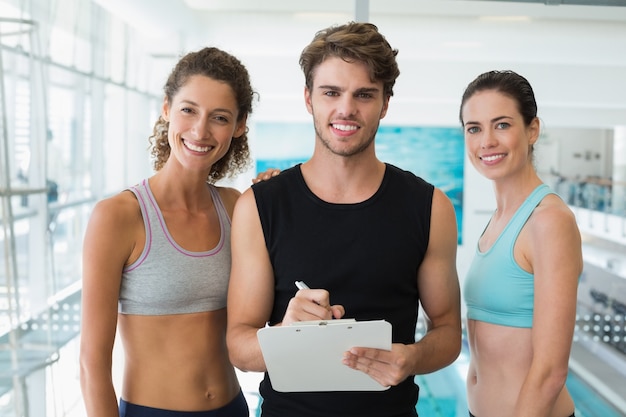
(218, 65)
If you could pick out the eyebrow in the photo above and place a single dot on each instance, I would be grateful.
(193, 103)
(494, 120)
(357, 91)
(368, 90)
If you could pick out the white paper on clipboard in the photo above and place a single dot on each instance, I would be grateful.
(306, 356)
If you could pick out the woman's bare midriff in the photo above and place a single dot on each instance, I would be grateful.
(500, 359)
(177, 362)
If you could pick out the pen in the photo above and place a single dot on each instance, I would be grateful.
(301, 285)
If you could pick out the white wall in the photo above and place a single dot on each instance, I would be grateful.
(576, 152)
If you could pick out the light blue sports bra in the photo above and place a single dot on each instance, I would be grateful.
(497, 290)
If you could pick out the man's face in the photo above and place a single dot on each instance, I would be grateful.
(346, 106)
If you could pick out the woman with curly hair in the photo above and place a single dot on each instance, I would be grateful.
(156, 259)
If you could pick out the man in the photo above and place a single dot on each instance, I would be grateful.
(372, 238)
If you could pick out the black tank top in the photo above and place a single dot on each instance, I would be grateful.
(366, 255)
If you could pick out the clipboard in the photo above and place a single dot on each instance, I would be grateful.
(306, 356)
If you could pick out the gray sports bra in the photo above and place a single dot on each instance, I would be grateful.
(167, 279)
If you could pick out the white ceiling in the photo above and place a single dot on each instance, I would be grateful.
(564, 9)
(177, 22)
(575, 55)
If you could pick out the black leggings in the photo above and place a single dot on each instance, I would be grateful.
(472, 415)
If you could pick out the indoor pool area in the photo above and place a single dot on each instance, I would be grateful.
(87, 88)
(596, 382)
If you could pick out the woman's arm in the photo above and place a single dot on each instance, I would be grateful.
(108, 244)
(554, 250)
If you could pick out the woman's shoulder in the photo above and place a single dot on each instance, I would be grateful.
(115, 227)
(552, 218)
(229, 197)
(119, 210)
(553, 208)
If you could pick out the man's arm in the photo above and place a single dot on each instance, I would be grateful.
(251, 287)
(438, 285)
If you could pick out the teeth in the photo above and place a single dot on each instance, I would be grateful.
(345, 128)
(196, 148)
(491, 158)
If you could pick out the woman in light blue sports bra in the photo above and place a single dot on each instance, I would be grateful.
(521, 287)
(157, 257)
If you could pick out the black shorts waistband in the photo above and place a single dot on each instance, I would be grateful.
(238, 407)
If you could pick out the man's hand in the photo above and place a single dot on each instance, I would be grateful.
(266, 175)
(388, 368)
(312, 304)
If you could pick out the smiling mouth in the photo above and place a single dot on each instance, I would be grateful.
(345, 128)
(195, 148)
(492, 158)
